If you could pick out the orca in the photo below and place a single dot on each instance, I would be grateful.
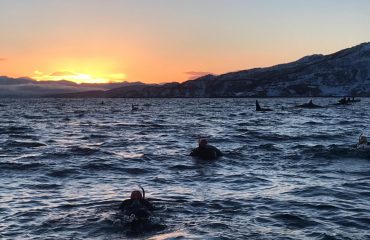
(259, 109)
(310, 105)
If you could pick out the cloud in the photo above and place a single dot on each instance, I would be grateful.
(78, 77)
(2, 59)
(196, 74)
(58, 74)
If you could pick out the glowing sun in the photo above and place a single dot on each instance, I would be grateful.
(79, 77)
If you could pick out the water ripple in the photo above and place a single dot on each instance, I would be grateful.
(66, 164)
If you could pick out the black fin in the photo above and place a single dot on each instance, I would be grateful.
(258, 107)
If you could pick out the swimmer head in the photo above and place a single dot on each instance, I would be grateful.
(362, 140)
(136, 195)
(202, 142)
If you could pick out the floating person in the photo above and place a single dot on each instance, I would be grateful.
(362, 142)
(310, 104)
(205, 151)
(137, 207)
(259, 109)
(138, 213)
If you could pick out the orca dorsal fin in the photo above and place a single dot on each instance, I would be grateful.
(258, 107)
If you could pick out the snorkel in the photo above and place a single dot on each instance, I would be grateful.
(142, 189)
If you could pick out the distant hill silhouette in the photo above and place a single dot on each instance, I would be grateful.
(344, 73)
(27, 87)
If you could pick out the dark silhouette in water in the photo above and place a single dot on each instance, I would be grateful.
(355, 100)
(310, 104)
(205, 151)
(347, 101)
(343, 101)
(139, 211)
(259, 109)
(134, 107)
(362, 142)
(137, 206)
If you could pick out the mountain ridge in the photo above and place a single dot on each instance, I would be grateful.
(28, 87)
(343, 73)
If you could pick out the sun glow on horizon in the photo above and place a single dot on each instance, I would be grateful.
(79, 77)
(171, 41)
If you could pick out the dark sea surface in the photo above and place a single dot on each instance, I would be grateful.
(65, 166)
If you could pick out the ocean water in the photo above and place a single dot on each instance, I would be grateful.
(66, 164)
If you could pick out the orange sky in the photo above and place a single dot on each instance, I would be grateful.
(164, 41)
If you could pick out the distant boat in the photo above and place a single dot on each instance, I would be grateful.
(355, 100)
(346, 101)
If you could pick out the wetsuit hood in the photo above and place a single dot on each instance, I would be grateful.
(136, 195)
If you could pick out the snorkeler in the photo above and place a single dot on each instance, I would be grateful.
(137, 206)
(139, 213)
(362, 141)
(362, 144)
(205, 151)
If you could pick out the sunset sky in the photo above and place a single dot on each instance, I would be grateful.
(158, 41)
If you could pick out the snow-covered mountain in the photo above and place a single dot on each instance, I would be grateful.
(344, 73)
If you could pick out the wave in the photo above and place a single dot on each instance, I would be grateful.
(182, 167)
(23, 144)
(137, 171)
(42, 186)
(15, 129)
(283, 176)
(268, 147)
(21, 166)
(101, 166)
(63, 173)
(333, 151)
(24, 136)
(317, 192)
(294, 220)
(98, 136)
(33, 116)
(78, 150)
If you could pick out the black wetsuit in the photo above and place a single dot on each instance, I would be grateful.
(141, 208)
(206, 152)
